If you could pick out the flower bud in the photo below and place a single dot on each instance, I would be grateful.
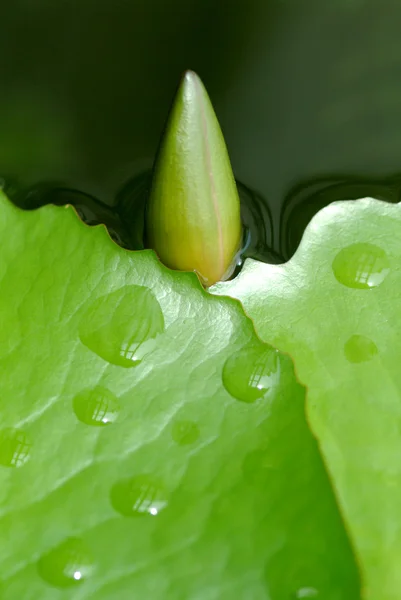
(193, 214)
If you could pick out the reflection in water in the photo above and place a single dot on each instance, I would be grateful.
(255, 214)
(130, 206)
(90, 210)
(306, 199)
(125, 220)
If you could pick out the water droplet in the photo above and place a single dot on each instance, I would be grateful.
(67, 565)
(185, 432)
(138, 495)
(15, 447)
(117, 326)
(307, 592)
(359, 348)
(98, 407)
(361, 266)
(252, 372)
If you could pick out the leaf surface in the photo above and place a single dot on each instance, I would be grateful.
(150, 446)
(335, 307)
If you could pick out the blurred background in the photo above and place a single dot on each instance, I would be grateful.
(302, 88)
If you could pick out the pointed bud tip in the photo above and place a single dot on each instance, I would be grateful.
(193, 215)
(191, 84)
(190, 76)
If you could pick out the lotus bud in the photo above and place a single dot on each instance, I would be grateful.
(193, 213)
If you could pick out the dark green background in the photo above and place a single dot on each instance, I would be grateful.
(302, 88)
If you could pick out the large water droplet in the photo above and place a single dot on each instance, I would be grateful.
(140, 495)
(67, 565)
(185, 432)
(98, 407)
(15, 447)
(361, 266)
(252, 372)
(306, 592)
(118, 325)
(359, 348)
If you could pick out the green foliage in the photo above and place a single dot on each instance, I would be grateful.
(335, 308)
(151, 446)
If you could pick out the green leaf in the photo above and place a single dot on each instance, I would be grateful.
(193, 216)
(335, 308)
(150, 446)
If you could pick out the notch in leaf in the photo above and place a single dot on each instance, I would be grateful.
(193, 214)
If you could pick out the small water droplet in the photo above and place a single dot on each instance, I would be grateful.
(307, 592)
(252, 372)
(98, 407)
(117, 325)
(359, 348)
(67, 565)
(361, 266)
(138, 495)
(15, 447)
(185, 432)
